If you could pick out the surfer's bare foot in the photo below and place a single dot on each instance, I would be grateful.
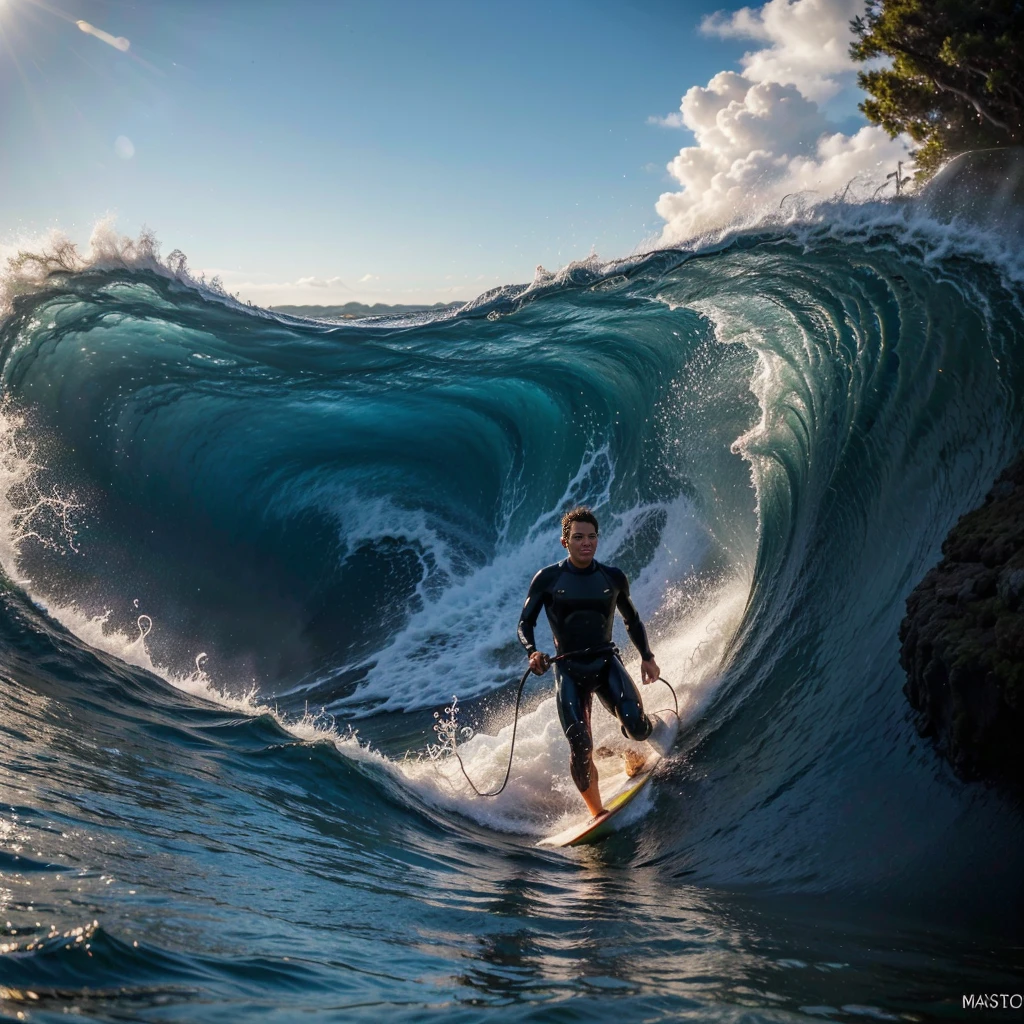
(600, 814)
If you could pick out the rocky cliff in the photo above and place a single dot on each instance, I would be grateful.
(963, 640)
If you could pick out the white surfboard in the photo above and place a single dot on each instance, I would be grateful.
(617, 792)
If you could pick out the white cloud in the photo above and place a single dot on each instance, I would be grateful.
(366, 278)
(761, 135)
(673, 120)
(319, 282)
(742, 24)
(264, 291)
(808, 42)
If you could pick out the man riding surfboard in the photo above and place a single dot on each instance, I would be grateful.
(580, 596)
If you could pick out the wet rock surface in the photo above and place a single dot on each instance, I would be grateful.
(963, 640)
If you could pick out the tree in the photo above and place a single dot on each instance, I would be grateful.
(956, 78)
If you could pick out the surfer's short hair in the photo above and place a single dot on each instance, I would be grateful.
(579, 514)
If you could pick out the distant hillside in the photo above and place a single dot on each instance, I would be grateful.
(354, 310)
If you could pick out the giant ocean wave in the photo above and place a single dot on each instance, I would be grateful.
(317, 533)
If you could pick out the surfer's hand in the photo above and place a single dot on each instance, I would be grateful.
(539, 663)
(649, 671)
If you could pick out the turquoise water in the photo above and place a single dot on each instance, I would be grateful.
(248, 557)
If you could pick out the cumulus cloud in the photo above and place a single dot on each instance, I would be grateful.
(808, 42)
(761, 135)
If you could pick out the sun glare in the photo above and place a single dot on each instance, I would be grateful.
(118, 42)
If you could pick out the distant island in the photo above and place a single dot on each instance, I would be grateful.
(357, 310)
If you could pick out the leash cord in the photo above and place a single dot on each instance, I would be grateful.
(515, 725)
(515, 722)
(675, 699)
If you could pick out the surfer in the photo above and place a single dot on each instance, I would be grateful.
(580, 596)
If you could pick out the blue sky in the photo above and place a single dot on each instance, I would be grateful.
(390, 151)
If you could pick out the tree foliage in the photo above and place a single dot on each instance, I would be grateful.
(956, 76)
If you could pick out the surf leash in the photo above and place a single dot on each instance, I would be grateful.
(589, 652)
(515, 725)
(675, 699)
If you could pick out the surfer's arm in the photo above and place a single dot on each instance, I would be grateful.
(649, 670)
(531, 609)
(631, 617)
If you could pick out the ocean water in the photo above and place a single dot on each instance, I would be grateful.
(258, 571)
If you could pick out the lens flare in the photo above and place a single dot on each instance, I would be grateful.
(118, 42)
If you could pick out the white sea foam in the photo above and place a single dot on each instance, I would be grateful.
(28, 263)
(460, 638)
(540, 797)
(913, 227)
(450, 648)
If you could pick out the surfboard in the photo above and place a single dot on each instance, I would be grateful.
(618, 791)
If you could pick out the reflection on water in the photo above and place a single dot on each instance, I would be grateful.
(194, 838)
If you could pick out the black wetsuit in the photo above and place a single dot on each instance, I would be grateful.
(580, 606)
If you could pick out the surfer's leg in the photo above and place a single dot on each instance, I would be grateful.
(574, 714)
(620, 696)
(574, 703)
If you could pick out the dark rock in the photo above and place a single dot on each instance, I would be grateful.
(1011, 586)
(963, 640)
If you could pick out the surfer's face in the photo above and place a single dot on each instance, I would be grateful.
(581, 544)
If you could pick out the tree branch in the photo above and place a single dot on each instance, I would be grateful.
(973, 102)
